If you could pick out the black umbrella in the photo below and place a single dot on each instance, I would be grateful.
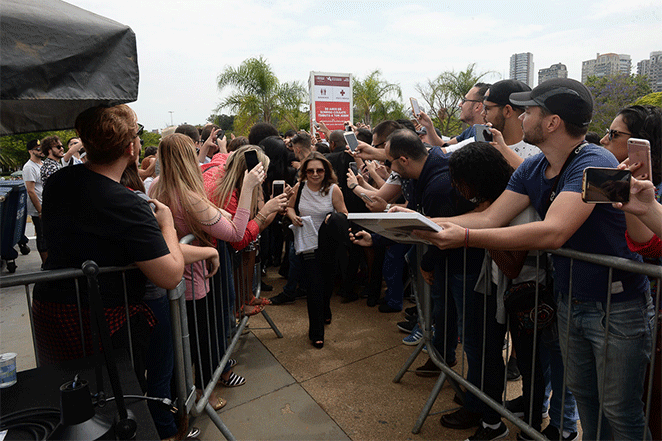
(57, 60)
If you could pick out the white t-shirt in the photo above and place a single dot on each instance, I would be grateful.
(524, 149)
(32, 173)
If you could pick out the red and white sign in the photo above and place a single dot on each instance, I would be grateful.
(331, 99)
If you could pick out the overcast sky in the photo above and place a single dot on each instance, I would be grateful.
(184, 45)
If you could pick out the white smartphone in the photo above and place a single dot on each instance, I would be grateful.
(353, 143)
(414, 107)
(277, 188)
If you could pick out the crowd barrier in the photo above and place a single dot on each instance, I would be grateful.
(223, 322)
(456, 380)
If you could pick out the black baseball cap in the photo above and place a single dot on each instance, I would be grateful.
(565, 97)
(499, 92)
(33, 144)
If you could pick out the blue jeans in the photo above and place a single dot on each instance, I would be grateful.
(160, 363)
(394, 263)
(480, 326)
(628, 351)
(294, 273)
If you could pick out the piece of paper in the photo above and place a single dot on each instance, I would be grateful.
(396, 226)
(305, 236)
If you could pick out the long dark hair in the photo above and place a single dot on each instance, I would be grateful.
(329, 174)
(479, 172)
(645, 122)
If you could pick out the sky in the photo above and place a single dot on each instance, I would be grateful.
(184, 45)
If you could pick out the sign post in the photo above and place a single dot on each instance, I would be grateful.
(331, 100)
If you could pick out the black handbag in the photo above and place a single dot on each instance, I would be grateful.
(519, 301)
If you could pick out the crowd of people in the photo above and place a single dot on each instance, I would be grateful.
(500, 204)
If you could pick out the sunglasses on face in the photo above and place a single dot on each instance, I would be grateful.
(615, 134)
(311, 171)
(140, 129)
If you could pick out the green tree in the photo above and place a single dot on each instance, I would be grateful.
(12, 147)
(443, 95)
(225, 122)
(371, 96)
(259, 96)
(652, 99)
(611, 94)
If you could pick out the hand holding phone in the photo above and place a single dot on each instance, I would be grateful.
(354, 168)
(277, 188)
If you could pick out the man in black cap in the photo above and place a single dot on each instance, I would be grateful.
(33, 185)
(606, 375)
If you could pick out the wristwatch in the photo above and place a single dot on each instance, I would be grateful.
(353, 186)
(388, 207)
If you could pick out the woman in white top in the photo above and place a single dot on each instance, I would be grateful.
(318, 198)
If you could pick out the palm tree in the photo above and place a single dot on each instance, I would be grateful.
(371, 94)
(258, 95)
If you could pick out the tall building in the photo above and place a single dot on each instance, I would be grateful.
(652, 68)
(557, 70)
(606, 65)
(521, 67)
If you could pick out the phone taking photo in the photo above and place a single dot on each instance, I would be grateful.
(352, 141)
(639, 150)
(483, 133)
(354, 168)
(277, 188)
(605, 185)
(416, 110)
(251, 159)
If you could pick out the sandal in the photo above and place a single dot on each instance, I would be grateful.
(259, 301)
(216, 402)
(251, 309)
(233, 381)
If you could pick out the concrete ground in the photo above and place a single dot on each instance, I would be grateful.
(294, 391)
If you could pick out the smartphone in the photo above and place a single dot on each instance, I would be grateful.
(354, 168)
(251, 159)
(605, 185)
(639, 150)
(350, 137)
(366, 197)
(483, 133)
(277, 188)
(316, 124)
(220, 134)
(414, 107)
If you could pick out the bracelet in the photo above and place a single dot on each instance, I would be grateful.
(352, 187)
(466, 238)
(261, 218)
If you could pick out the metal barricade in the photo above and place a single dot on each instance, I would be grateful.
(455, 379)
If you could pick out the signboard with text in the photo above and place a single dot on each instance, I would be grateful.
(331, 99)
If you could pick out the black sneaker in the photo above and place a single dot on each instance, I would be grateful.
(407, 326)
(552, 434)
(411, 312)
(513, 373)
(281, 299)
(460, 419)
(487, 434)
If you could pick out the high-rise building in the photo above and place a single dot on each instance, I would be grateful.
(558, 70)
(652, 68)
(521, 67)
(606, 65)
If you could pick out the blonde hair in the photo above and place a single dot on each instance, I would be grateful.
(233, 178)
(180, 182)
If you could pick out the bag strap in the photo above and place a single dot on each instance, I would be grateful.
(571, 156)
(296, 202)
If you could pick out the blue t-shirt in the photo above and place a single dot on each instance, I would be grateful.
(469, 132)
(602, 233)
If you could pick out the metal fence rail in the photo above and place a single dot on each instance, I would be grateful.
(455, 379)
(221, 317)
